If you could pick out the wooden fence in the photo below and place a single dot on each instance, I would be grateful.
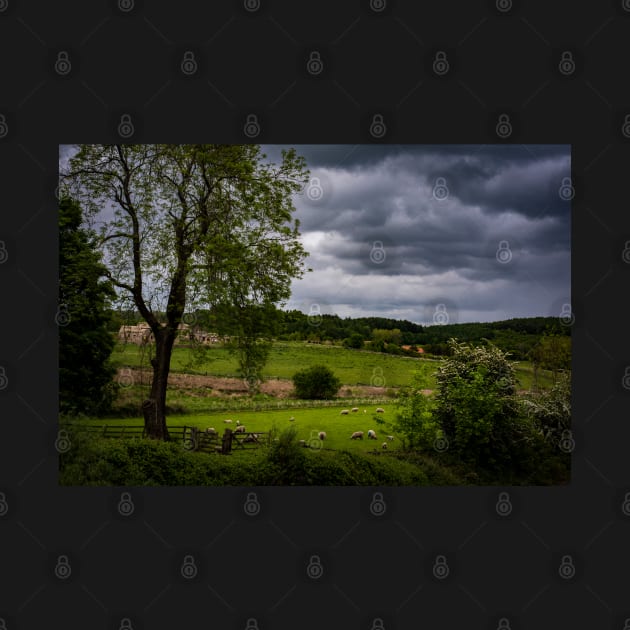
(192, 438)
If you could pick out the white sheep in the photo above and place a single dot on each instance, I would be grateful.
(354, 409)
(365, 411)
(322, 435)
(211, 430)
(390, 437)
(238, 422)
(357, 435)
(291, 419)
(345, 412)
(372, 434)
(380, 410)
(228, 421)
(240, 429)
(384, 445)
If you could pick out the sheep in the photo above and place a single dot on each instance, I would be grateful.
(371, 434)
(211, 430)
(345, 412)
(322, 435)
(354, 409)
(357, 435)
(291, 419)
(228, 421)
(240, 429)
(238, 422)
(384, 445)
(365, 411)
(380, 410)
(390, 437)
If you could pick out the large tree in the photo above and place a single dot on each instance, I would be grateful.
(85, 342)
(191, 226)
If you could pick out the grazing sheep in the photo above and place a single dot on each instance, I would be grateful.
(238, 422)
(211, 430)
(345, 412)
(227, 421)
(354, 409)
(240, 429)
(390, 437)
(380, 410)
(291, 419)
(384, 445)
(372, 434)
(365, 411)
(322, 435)
(357, 435)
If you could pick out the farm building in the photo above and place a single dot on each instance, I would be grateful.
(418, 349)
(141, 333)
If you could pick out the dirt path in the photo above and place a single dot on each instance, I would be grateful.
(222, 387)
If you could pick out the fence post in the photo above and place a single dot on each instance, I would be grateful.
(226, 446)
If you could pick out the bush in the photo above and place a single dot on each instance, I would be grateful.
(477, 408)
(355, 340)
(551, 409)
(316, 383)
(413, 417)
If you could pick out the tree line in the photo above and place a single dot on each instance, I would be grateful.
(518, 336)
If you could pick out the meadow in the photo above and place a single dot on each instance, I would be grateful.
(353, 367)
(369, 380)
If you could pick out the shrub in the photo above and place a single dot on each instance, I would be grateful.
(551, 409)
(316, 383)
(476, 406)
(413, 416)
(355, 340)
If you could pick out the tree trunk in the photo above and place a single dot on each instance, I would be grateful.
(154, 408)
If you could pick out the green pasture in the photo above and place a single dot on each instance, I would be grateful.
(308, 423)
(353, 367)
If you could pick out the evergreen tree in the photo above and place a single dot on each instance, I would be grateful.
(85, 342)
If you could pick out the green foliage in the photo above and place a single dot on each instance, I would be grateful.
(96, 461)
(552, 352)
(551, 409)
(316, 383)
(355, 340)
(85, 341)
(392, 335)
(413, 420)
(287, 456)
(477, 408)
(251, 329)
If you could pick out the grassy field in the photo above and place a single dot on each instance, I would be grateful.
(207, 402)
(353, 367)
(308, 423)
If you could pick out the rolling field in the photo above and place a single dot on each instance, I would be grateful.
(353, 367)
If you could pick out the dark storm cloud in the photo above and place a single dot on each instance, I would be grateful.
(434, 248)
(500, 202)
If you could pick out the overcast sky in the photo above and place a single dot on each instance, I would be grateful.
(434, 234)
